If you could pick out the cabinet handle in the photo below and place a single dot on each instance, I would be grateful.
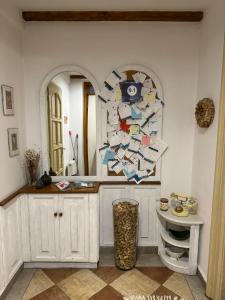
(60, 214)
(55, 214)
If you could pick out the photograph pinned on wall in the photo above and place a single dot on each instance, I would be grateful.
(7, 100)
(13, 140)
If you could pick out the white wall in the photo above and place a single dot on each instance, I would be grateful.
(76, 118)
(170, 49)
(63, 81)
(211, 57)
(11, 73)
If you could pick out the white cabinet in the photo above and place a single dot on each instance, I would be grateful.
(148, 224)
(2, 277)
(11, 239)
(74, 228)
(147, 197)
(109, 193)
(60, 228)
(44, 227)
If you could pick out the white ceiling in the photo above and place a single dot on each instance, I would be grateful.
(109, 4)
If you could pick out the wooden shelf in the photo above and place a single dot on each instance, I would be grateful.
(166, 236)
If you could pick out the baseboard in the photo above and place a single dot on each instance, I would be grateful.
(55, 265)
(11, 283)
(202, 276)
(148, 250)
(141, 250)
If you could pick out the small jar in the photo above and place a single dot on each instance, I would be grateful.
(192, 206)
(164, 204)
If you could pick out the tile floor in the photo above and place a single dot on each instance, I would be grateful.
(106, 282)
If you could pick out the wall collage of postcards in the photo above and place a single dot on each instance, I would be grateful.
(134, 112)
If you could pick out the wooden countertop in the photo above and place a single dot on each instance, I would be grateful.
(52, 189)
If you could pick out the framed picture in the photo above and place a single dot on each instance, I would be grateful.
(7, 100)
(13, 140)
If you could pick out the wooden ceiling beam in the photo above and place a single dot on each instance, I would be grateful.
(131, 16)
(77, 77)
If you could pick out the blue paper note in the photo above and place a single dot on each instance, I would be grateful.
(129, 173)
(109, 155)
(135, 115)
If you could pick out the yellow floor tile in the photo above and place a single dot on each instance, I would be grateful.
(81, 285)
(178, 284)
(39, 283)
(133, 283)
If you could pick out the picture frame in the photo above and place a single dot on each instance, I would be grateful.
(13, 141)
(7, 100)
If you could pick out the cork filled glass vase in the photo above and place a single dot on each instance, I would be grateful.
(125, 219)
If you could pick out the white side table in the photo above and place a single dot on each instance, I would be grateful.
(185, 265)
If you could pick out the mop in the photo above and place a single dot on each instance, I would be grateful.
(74, 145)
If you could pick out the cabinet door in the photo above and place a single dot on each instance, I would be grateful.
(44, 227)
(11, 229)
(74, 228)
(147, 197)
(93, 200)
(107, 195)
(2, 277)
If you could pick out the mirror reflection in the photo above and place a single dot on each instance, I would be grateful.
(71, 118)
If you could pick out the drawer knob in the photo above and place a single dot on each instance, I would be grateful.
(55, 214)
(60, 214)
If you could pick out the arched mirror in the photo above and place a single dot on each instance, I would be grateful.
(71, 125)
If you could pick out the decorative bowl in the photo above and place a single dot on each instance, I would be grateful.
(180, 234)
(175, 252)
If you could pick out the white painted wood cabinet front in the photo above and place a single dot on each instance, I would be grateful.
(44, 227)
(2, 275)
(147, 197)
(11, 255)
(74, 228)
(61, 228)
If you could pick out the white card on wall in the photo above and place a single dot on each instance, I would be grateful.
(124, 111)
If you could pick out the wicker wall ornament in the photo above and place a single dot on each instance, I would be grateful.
(204, 112)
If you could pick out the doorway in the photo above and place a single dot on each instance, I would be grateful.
(55, 123)
(89, 132)
(216, 271)
(71, 114)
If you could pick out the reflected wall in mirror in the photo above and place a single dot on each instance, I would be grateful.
(71, 118)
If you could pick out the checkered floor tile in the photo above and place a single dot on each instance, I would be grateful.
(106, 283)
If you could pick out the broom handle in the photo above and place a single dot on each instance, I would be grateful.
(76, 143)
